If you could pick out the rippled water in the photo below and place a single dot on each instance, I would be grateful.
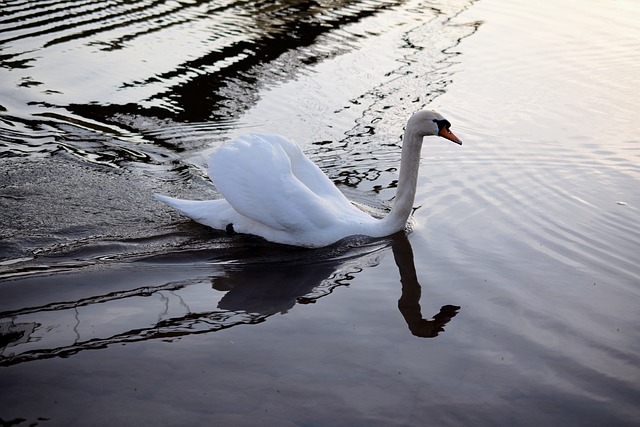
(514, 301)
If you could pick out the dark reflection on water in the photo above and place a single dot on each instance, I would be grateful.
(236, 48)
(253, 291)
(409, 303)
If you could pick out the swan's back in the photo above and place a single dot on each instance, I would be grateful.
(268, 179)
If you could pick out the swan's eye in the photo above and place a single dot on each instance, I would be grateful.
(443, 124)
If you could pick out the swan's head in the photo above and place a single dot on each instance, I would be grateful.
(426, 123)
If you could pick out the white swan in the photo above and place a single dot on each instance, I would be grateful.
(271, 189)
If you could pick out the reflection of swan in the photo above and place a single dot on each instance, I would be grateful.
(253, 292)
(268, 289)
(271, 189)
(409, 302)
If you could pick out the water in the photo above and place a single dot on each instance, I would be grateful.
(514, 301)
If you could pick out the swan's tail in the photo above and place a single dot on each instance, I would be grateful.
(208, 212)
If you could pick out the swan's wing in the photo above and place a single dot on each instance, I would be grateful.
(269, 180)
(307, 171)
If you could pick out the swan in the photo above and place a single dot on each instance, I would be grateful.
(271, 189)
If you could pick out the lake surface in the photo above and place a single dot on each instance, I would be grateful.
(514, 300)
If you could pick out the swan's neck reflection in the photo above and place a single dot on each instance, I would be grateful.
(409, 302)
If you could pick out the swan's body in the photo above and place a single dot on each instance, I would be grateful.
(271, 189)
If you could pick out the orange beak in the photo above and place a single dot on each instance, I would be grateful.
(446, 133)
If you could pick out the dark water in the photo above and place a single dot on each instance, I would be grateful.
(514, 301)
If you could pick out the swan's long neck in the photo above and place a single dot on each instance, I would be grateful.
(407, 181)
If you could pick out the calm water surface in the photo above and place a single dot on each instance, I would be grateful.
(515, 300)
